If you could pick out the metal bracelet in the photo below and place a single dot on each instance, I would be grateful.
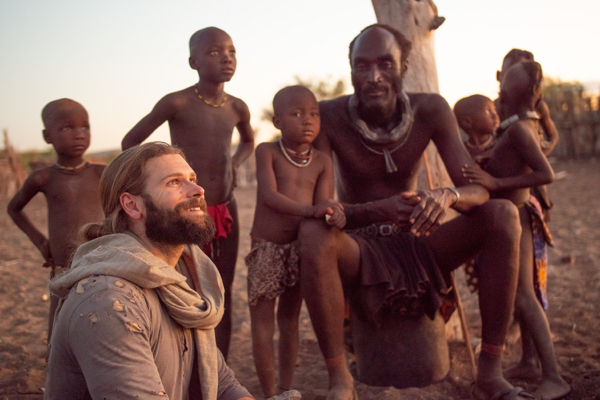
(453, 190)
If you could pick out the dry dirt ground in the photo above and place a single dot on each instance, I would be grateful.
(574, 295)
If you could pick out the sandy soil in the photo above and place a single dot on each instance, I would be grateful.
(574, 280)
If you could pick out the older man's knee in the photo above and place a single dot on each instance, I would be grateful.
(313, 236)
(502, 218)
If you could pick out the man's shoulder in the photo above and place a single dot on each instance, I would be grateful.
(334, 112)
(427, 101)
(334, 104)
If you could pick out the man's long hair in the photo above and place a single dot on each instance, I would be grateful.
(124, 175)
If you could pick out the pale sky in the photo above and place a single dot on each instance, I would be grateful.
(118, 58)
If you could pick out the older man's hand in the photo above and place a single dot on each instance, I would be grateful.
(429, 210)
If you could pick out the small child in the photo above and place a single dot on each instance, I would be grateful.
(477, 117)
(71, 187)
(201, 122)
(295, 181)
(517, 163)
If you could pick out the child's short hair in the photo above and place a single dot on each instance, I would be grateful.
(49, 110)
(195, 38)
(465, 106)
(282, 95)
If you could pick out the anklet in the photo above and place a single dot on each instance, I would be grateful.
(492, 349)
(335, 361)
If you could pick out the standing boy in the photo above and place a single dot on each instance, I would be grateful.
(295, 181)
(477, 117)
(201, 121)
(70, 186)
(517, 163)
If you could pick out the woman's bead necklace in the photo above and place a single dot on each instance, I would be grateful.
(305, 157)
(208, 102)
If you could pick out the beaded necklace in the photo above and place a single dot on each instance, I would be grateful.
(483, 146)
(514, 118)
(398, 134)
(72, 169)
(208, 102)
(305, 157)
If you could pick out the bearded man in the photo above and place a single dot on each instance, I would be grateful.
(395, 252)
(141, 300)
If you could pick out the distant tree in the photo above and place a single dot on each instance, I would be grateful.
(573, 113)
(564, 98)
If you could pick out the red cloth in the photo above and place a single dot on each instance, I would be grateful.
(223, 222)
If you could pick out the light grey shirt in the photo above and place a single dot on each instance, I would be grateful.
(113, 340)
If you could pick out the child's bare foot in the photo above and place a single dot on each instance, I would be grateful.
(525, 371)
(553, 389)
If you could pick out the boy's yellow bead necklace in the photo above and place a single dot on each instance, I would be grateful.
(208, 102)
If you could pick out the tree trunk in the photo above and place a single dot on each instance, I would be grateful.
(417, 20)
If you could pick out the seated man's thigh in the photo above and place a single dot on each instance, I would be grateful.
(460, 239)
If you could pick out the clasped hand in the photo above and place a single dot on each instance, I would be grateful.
(421, 211)
(332, 211)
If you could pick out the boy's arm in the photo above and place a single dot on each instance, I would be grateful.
(323, 196)
(162, 111)
(246, 145)
(550, 131)
(267, 188)
(325, 184)
(32, 186)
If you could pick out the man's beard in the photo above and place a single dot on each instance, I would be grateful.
(170, 227)
(375, 111)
